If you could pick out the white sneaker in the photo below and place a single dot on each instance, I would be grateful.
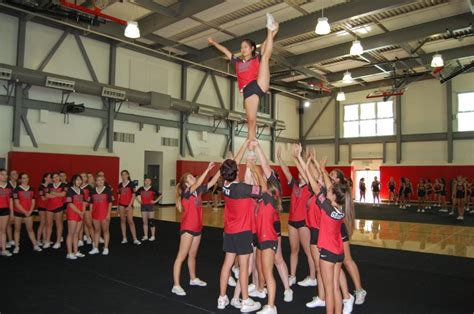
(39, 243)
(288, 295)
(94, 251)
(124, 241)
(16, 250)
(236, 271)
(236, 302)
(62, 239)
(258, 294)
(80, 243)
(308, 282)
(145, 238)
(6, 253)
(47, 245)
(451, 213)
(10, 244)
(57, 245)
(71, 256)
(89, 241)
(79, 254)
(250, 305)
(151, 239)
(197, 282)
(85, 238)
(37, 248)
(292, 280)
(360, 296)
(178, 291)
(268, 309)
(222, 302)
(459, 218)
(231, 282)
(472, 211)
(105, 252)
(348, 304)
(422, 210)
(317, 302)
(251, 287)
(101, 240)
(270, 22)
(136, 242)
(418, 210)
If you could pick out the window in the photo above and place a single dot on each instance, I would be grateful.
(465, 112)
(368, 119)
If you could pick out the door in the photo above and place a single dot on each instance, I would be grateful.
(153, 172)
(368, 175)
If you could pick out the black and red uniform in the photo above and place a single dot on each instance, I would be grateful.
(75, 197)
(41, 200)
(148, 195)
(313, 219)
(267, 236)
(100, 202)
(247, 75)
(56, 204)
(239, 208)
(5, 197)
(299, 199)
(191, 220)
(330, 243)
(25, 196)
(125, 193)
(87, 190)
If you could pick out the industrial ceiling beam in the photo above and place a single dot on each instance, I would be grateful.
(307, 23)
(155, 7)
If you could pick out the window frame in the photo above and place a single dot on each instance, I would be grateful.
(375, 119)
(458, 112)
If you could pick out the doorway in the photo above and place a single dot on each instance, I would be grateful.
(153, 168)
(368, 175)
(153, 172)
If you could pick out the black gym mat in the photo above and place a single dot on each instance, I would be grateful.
(137, 279)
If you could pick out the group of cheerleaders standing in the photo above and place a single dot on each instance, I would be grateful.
(321, 214)
(87, 202)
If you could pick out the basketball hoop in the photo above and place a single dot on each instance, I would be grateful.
(437, 72)
(386, 93)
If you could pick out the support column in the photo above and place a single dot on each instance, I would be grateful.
(337, 133)
(111, 107)
(273, 131)
(449, 117)
(20, 60)
(398, 126)
(182, 116)
(300, 123)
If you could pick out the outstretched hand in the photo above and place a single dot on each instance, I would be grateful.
(210, 166)
(211, 41)
(252, 144)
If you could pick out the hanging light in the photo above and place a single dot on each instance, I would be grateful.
(437, 61)
(132, 30)
(341, 96)
(306, 104)
(347, 78)
(322, 27)
(356, 48)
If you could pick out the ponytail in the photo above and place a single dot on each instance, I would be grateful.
(180, 188)
(349, 218)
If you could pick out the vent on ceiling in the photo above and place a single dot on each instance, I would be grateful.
(124, 137)
(168, 141)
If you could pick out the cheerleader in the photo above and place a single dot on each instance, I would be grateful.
(100, 201)
(429, 193)
(88, 184)
(468, 195)
(437, 192)
(188, 199)
(147, 196)
(392, 186)
(362, 189)
(76, 204)
(298, 233)
(421, 188)
(12, 182)
(376, 191)
(55, 194)
(24, 203)
(63, 176)
(126, 197)
(459, 192)
(408, 192)
(6, 210)
(401, 193)
(41, 206)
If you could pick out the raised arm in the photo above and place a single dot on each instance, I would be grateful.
(283, 166)
(322, 168)
(241, 152)
(297, 150)
(267, 171)
(259, 178)
(221, 48)
(313, 182)
(214, 180)
(201, 178)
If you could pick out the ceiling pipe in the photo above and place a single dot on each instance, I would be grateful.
(96, 12)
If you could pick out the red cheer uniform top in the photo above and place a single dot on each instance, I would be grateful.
(25, 196)
(239, 206)
(86, 190)
(76, 197)
(41, 200)
(265, 219)
(313, 216)
(5, 195)
(148, 195)
(57, 202)
(191, 220)
(299, 200)
(125, 193)
(330, 230)
(246, 70)
(100, 200)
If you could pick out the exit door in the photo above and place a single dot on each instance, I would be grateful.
(153, 172)
(368, 175)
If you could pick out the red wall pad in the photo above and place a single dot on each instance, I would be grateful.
(36, 164)
(414, 173)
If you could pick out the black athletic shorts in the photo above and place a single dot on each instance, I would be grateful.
(443, 193)
(421, 194)
(57, 210)
(238, 243)
(254, 239)
(252, 88)
(268, 245)
(460, 194)
(41, 209)
(19, 215)
(123, 205)
(297, 224)
(328, 256)
(277, 226)
(344, 233)
(4, 211)
(193, 233)
(314, 235)
(147, 208)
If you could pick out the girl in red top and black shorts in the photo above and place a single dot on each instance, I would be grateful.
(6, 210)
(56, 193)
(188, 201)
(75, 209)
(100, 201)
(253, 71)
(24, 203)
(41, 206)
(126, 197)
(88, 184)
(147, 196)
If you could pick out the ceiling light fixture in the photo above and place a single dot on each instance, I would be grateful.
(341, 96)
(132, 30)
(356, 48)
(322, 27)
(437, 61)
(347, 78)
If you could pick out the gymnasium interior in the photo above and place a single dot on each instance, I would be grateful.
(385, 90)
